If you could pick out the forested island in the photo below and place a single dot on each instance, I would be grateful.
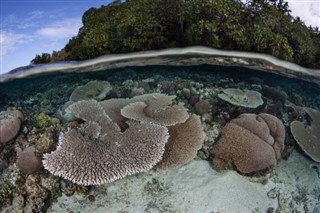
(264, 26)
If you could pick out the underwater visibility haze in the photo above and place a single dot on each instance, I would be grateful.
(178, 130)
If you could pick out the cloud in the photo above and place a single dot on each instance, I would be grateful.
(9, 42)
(62, 29)
(32, 20)
(307, 10)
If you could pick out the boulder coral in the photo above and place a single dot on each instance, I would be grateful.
(250, 142)
(10, 122)
(203, 106)
(27, 162)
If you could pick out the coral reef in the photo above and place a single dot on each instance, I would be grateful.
(135, 92)
(244, 98)
(308, 136)
(10, 122)
(249, 143)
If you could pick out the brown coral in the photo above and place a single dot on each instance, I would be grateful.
(93, 155)
(250, 142)
(308, 136)
(184, 142)
(274, 93)
(28, 162)
(202, 107)
(255, 124)
(277, 131)
(10, 122)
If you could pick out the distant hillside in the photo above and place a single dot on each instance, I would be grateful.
(259, 25)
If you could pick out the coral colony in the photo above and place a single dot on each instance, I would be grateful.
(98, 152)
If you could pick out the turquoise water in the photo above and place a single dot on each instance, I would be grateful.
(41, 100)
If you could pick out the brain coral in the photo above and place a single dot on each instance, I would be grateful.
(308, 136)
(244, 98)
(250, 143)
(98, 153)
(10, 122)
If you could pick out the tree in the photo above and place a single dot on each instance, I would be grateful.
(258, 25)
(42, 59)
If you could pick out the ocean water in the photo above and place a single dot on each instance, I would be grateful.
(289, 182)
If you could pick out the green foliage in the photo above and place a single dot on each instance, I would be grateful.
(203, 33)
(259, 25)
(41, 59)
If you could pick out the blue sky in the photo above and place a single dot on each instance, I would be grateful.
(30, 27)
(33, 27)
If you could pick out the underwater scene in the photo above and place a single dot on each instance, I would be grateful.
(161, 132)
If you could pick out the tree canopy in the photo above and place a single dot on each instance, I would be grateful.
(264, 26)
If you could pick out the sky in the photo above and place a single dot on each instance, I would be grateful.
(30, 27)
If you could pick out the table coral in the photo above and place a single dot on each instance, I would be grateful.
(308, 136)
(244, 98)
(98, 152)
(92, 90)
